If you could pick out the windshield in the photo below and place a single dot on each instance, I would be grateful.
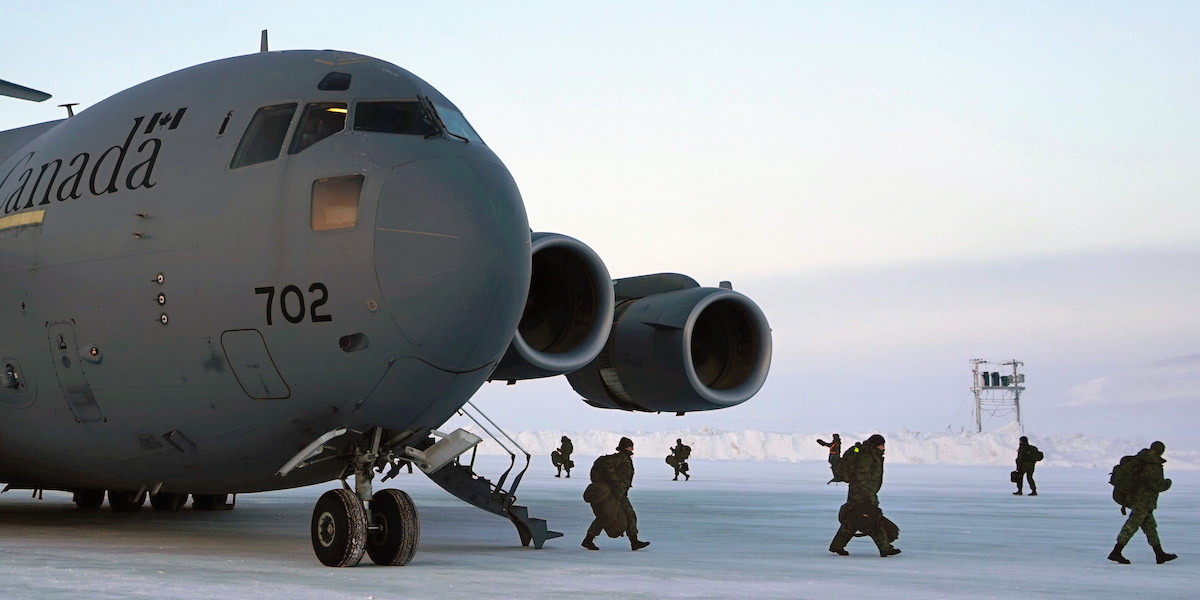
(456, 123)
(394, 116)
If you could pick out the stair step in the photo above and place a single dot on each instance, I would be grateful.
(478, 491)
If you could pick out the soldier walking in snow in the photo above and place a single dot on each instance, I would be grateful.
(561, 458)
(1145, 482)
(1027, 456)
(612, 476)
(835, 457)
(678, 459)
(862, 467)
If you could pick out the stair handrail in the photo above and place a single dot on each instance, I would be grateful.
(512, 457)
(528, 458)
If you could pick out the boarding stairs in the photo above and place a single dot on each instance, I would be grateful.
(460, 479)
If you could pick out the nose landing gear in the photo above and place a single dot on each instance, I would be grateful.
(346, 524)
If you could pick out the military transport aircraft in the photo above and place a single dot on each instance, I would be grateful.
(288, 268)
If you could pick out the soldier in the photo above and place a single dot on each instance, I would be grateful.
(614, 472)
(678, 459)
(1149, 482)
(1027, 456)
(562, 457)
(835, 457)
(862, 467)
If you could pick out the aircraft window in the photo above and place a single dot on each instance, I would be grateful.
(264, 135)
(456, 123)
(335, 202)
(338, 82)
(403, 116)
(319, 121)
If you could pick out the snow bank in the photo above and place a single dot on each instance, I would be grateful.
(903, 446)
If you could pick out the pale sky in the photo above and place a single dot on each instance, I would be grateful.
(901, 186)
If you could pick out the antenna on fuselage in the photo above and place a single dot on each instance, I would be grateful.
(70, 108)
(262, 44)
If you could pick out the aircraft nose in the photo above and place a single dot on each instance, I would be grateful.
(452, 254)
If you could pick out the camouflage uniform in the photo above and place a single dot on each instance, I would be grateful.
(618, 475)
(865, 475)
(1145, 499)
(1025, 465)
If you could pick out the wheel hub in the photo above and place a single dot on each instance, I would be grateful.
(326, 529)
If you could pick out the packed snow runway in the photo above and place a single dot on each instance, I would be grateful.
(738, 529)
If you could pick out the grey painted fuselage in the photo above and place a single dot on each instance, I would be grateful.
(173, 321)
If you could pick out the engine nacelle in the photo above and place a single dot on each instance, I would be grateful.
(677, 347)
(568, 313)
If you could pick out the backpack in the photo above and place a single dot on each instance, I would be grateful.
(1125, 478)
(847, 469)
(604, 469)
(1035, 454)
(685, 452)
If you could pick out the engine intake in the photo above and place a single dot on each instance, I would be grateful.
(687, 349)
(567, 315)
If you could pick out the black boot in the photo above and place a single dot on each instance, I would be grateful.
(1115, 555)
(589, 542)
(636, 544)
(839, 551)
(1161, 556)
(889, 552)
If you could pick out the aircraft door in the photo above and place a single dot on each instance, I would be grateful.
(252, 365)
(70, 373)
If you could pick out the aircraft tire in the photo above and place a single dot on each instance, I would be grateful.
(339, 529)
(168, 502)
(89, 499)
(395, 542)
(122, 501)
(209, 501)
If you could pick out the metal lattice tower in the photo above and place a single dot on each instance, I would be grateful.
(996, 393)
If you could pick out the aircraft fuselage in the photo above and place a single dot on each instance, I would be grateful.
(202, 274)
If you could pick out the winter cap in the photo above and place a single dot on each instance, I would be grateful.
(1158, 448)
(837, 437)
(564, 438)
(875, 440)
(624, 443)
(1024, 439)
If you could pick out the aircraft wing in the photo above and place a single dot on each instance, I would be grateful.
(19, 91)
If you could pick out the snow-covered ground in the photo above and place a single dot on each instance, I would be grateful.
(738, 529)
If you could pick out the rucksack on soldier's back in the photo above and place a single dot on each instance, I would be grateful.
(604, 468)
(850, 458)
(1125, 478)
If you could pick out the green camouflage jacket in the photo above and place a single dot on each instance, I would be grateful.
(1145, 495)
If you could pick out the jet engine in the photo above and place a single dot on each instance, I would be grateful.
(567, 315)
(677, 347)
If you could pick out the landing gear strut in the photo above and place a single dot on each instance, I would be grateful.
(383, 524)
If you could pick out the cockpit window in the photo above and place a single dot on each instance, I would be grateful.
(456, 123)
(264, 136)
(319, 121)
(398, 116)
